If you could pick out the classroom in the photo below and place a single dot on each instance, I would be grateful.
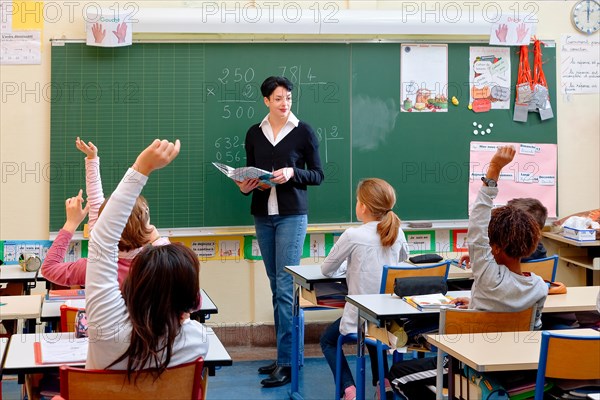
(349, 59)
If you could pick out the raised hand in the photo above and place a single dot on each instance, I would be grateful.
(75, 212)
(466, 260)
(504, 155)
(121, 32)
(156, 156)
(522, 31)
(90, 150)
(98, 32)
(501, 32)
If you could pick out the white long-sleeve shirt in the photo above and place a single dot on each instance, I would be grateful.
(495, 287)
(361, 248)
(109, 327)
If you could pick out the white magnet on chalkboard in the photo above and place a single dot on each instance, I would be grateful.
(475, 132)
(480, 126)
(474, 123)
(491, 125)
(488, 130)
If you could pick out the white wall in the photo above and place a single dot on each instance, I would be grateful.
(241, 290)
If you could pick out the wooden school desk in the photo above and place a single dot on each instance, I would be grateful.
(27, 308)
(15, 274)
(20, 358)
(378, 308)
(306, 276)
(51, 310)
(491, 352)
(571, 252)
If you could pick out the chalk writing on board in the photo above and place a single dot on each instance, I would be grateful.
(230, 149)
(326, 135)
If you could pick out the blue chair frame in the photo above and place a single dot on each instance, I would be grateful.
(409, 271)
(573, 363)
(525, 264)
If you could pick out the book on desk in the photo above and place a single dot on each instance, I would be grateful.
(426, 301)
(65, 294)
(61, 351)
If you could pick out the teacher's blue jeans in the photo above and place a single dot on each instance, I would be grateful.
(281, 238)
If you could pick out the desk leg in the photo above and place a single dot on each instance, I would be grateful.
(294, 394)
(452, 367)
(360, 360)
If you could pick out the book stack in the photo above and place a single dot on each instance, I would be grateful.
(327, 294)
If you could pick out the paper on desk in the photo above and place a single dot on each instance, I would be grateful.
(63, 351)
(77, 303)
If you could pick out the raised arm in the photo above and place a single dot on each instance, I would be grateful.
(93, 181)
(54, 268)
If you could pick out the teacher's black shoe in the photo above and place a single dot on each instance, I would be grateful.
(281, 376)
(267, 369)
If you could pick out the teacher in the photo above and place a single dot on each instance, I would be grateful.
(289, 148)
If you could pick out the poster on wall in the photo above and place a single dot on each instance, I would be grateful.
(489, 77)
(532, 173)
(421, 241)
(424, 78)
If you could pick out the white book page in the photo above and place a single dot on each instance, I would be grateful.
(64, 351)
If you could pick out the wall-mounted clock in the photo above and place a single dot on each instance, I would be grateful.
(585, 15)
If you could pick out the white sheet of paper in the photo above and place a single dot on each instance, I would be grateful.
(20, 47)
(580, 65)
(64, 351)
(512, 31)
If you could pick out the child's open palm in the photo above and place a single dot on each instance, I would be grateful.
(90, 150)
(504, 155)
(156, 156)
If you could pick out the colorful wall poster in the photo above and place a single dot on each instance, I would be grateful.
(251, 249)
(14, 248)
(459, 240)
(489, 77)
(424, 78)
(421, 241)
(532, 173)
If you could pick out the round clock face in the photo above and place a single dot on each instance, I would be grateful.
(586, 16)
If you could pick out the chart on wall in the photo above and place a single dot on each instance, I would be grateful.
(532, 173)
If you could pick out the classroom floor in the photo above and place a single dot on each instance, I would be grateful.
(242, 382)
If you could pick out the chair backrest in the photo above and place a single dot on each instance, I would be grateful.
(567, 357)
(183, 381)
(544, 267)
(391, 272)
(454, 321)
(67, 318)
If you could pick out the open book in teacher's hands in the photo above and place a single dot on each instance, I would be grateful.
(242, 173)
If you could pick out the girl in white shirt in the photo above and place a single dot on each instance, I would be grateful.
(146, 324)
(363, 251)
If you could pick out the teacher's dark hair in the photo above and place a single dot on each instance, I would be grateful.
(163, 283)
(273, 82)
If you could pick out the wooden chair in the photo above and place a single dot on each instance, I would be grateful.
(391, 272)
(454, 321)
(67, 318)
(563, 356)
(544, 267)
(185, 381)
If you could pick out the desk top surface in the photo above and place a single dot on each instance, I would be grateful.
(560, 238)
(14, 273)
(310, 274)
(20, 307)
(504, 351)
(51, 309)
(385, 306)
(20, 354)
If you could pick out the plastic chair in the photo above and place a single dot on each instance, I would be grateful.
(178, 382)
(388, 276)
(455, 321)
(567, 357)
(67, 318)
(544, 267)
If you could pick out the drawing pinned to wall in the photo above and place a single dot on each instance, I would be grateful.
(421, 241)
(424, 77)
(74, 251)
(459, 240)
(14, 248)
(108, 29)
(532, 173)
(489, 78)
(511, 30)
(317, 245)
(229, 249)
(251, 249)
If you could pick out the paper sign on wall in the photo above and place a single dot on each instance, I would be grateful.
(421, 241)
(108, 29)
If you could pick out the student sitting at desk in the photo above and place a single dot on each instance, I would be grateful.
(377, 242)
(137, 233)
(498, 239)
(142, 325)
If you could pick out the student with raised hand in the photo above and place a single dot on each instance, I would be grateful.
(137, 233)
(362, 252)
(498, 238)
(144, 324)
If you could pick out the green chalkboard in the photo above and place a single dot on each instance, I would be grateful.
(208, 95)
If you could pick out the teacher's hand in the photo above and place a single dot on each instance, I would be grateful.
(282, 175)
(248, 185)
